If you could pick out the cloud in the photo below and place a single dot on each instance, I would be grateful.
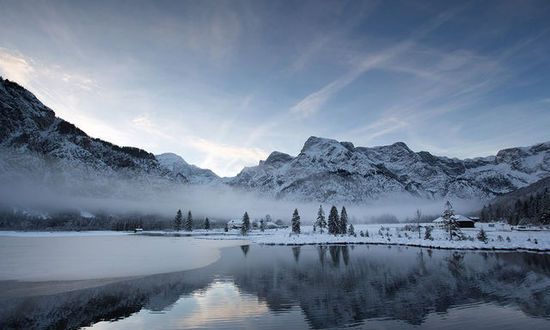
(223, 158)
(377, 129)
(32, 74)
(314, 101)
(15, 67)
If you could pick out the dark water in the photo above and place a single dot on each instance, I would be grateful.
(274, 287)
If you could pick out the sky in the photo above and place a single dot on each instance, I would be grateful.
(225, 83)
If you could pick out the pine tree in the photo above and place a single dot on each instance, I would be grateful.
(418, 219)
(343, 224)
(206, 224)
(177, 221)
(189, 222)
(451, 225)
(295, 222)
(321, 222)
(428, 233)
(351, 230)
(333, 221)
(482, 235)
(246, 224)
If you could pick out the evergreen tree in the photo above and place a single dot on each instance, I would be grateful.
(333, 221)
(418, 219)
(177, 221)
(482, 235)
(206, 224)
(428, 233)
(321, 222)
(189, 222)
(451, 225)
(246, 224)
(343, 224)
(295, 222)
(351, 230)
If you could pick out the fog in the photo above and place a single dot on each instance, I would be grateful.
(163, 198)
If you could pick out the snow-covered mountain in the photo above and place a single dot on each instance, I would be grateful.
(328, 170)
(42, 148)
(190, 173)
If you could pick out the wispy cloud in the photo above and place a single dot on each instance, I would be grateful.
(314, 101)
(224, 158)
(30, 72)
(15, 67)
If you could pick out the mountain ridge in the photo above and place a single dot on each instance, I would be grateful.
(362, 173)
(324, 169)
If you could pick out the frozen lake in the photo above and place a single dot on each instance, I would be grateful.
(133, 282)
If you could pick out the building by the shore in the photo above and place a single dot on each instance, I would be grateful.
(463, 221)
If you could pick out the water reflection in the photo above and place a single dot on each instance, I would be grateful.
(245, 249)
(266, 286)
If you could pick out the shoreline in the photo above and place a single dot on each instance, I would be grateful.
(500, 237)
(433, 247)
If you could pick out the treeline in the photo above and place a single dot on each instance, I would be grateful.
(530, 209)
(74, 221)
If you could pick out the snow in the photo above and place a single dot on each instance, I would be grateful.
(177, 165)
(532, 240)
(329, 170)
(456, 217)
(86, 214)
(325, 169)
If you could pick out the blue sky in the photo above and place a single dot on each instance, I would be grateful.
(224, 83)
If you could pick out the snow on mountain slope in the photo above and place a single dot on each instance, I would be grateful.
(37, 145)
(190, 173)
(328, 170)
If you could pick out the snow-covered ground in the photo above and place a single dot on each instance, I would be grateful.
(500, 237)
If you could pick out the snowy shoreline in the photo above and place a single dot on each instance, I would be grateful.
(500, 237)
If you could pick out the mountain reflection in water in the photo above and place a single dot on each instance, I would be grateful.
(310, 286)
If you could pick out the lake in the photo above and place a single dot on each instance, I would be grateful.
(274, 287)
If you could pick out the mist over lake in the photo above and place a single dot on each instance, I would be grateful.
(275, 164)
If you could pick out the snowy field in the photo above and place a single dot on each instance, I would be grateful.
(499, 237)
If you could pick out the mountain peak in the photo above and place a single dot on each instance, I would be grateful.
(314, 143)
(277, 157)
(401, 145)
(170, 159)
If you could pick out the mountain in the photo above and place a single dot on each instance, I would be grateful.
(329, 170)
(190, 173)
(37, 145)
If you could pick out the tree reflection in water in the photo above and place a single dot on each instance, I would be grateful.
(367, 282)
